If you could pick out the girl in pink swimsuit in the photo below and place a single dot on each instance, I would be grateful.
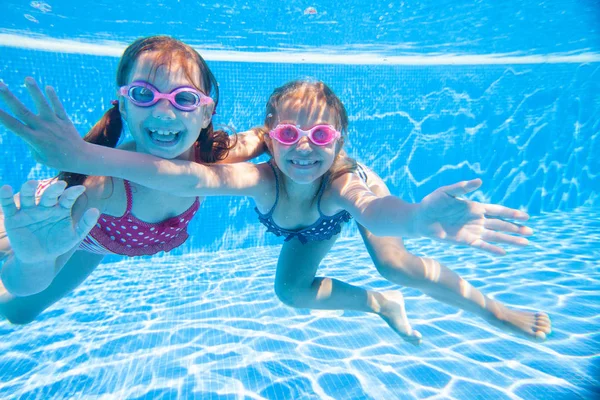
(59, 236)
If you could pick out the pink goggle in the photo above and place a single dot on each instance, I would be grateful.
(289, 134)
(184, 98)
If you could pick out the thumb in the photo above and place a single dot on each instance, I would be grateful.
(87, 222)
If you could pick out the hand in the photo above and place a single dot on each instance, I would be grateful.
(445, 217)
(51, 135)
(43, 231)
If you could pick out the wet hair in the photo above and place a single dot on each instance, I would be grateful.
(211, 146)
(309, 91)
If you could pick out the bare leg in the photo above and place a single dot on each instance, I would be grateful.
(436, 280)
(297, 286)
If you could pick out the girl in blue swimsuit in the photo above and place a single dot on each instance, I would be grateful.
(310, 187)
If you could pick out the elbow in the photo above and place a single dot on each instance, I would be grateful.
(371, 219)
(22, 286)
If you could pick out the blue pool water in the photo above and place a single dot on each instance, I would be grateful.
(435, 94)
(208, 325)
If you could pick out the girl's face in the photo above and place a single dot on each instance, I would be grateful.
(161, 129)
(304, 162)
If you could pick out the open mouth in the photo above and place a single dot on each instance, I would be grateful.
(164, 137)
(304, 164)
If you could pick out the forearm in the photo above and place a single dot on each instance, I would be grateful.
(391, 216)
(22, 279)
(174, 176)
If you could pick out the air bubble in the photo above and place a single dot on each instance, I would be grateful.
(40, 5)
(31, 18)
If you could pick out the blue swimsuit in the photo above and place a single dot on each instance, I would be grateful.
(324, 229)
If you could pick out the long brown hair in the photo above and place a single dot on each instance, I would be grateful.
(317, 91)
(211, 145)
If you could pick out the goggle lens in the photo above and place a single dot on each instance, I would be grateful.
(288, 134)
(143, 94)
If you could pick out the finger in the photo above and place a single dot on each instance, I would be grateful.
(462, 188)
(7, 201)
(59, 110)
(39, 100)
(499, 237)
(14, 125)
(19, 109)
(490, 248)
(495, 210)
(500, 225)
(27, 194)
(50, 196)
(70, 196)
(87, 222)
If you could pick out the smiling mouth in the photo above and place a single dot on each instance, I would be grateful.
(304, 163)
(164, 137)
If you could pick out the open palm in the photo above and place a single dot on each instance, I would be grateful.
(43, 231)
(449, 218)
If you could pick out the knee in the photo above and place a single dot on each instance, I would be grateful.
(17, 311)
(19, 317)
(288, 294)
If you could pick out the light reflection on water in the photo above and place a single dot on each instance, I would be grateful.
(210, 325)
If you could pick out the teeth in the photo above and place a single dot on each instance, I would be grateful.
(163, 132)
(303, 162)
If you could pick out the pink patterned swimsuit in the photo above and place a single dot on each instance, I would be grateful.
(128, 236)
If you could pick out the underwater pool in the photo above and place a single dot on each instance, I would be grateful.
(435, 94)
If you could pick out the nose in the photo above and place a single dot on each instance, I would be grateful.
(163, 110)
(303, 145)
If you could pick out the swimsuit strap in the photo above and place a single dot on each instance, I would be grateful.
(129, 196)
(270, 213)
(320, 194)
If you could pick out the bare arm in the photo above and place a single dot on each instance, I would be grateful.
(54, 141)
(180, 177)
(441, 215)
(382, 215)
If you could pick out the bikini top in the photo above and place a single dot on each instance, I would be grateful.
(323, 229)
(129, 236)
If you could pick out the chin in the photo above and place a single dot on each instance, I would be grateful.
(304, 179)
(168, 154)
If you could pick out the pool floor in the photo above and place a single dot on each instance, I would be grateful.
(209, 326)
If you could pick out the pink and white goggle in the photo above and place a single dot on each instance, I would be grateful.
(289, 134)
(184, 98)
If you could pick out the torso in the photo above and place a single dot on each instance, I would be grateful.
(289, 213)
(149, 205)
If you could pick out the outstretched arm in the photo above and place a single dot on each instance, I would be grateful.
(442, 215)
(56, 143)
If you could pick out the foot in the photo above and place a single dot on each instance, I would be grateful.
(533, 325)
(393, 312)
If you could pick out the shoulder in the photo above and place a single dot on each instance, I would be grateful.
(268, 175)
(101, 192)
(345, 188)
(266, 189)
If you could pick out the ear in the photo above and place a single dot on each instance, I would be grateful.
(207, 114)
